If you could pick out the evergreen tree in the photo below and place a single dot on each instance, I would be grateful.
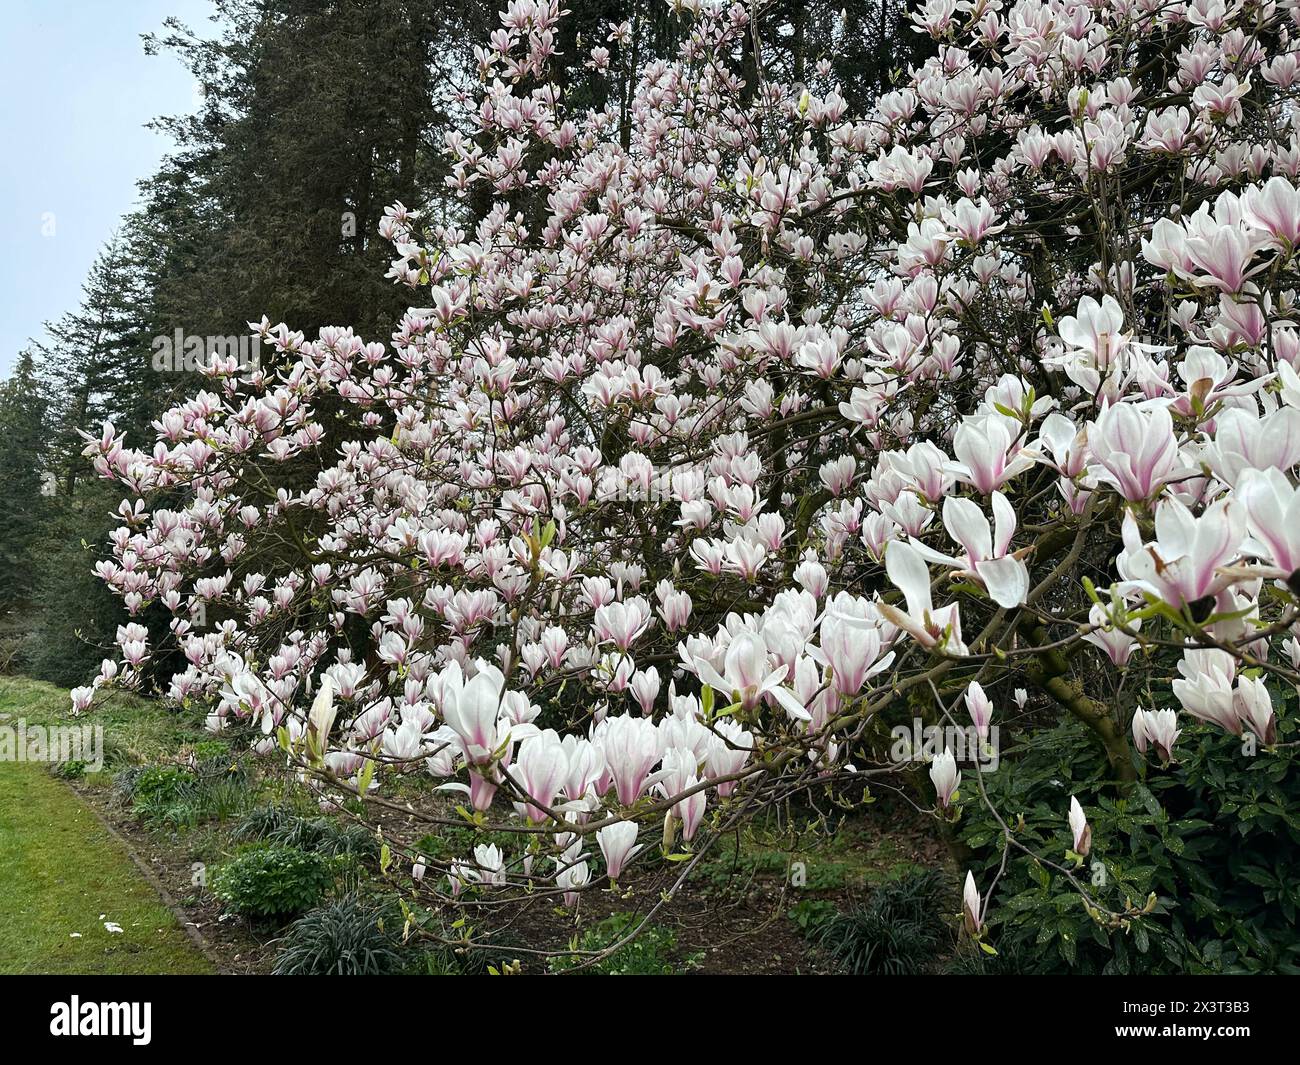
(22, 469)
(96, 360)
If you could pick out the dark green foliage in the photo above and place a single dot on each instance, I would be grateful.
(262, 820)
(1012, 959)
(275, 191)
(273, 882)
(78, 616)
(73, 769)
(1215, 836)
(326, 835)
(349, 936)
(22, 467)
(898, 931)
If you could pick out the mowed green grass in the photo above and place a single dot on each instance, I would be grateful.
(63, 876)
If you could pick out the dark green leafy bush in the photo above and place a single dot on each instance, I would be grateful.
(1216, 837)
(326, 835)
(73, 769)
(263, 820)
(273, 882)
(898, 931)
(349, 936)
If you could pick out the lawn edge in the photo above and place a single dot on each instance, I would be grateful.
(182, 918)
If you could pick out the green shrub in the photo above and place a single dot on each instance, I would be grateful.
(898, 931)
(156, 785)
(212, 750)
(73, 769)
(273, 882)
(649, 954)
(350, 936)
(223, 799)
(170, 796)
(810, 914)
(1010, 960)
(326, 835)
(1216, 837)
(262, 820)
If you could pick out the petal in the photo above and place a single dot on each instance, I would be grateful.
(1007, 580)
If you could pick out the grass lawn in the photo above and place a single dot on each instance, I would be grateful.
(62, 876)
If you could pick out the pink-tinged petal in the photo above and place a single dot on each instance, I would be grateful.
(910, 575)
(1004, 523)
(1007, 580)
(791, 704)
(967, 525)
(712, 677)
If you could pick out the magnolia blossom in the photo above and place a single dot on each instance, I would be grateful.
(1097, 330)
(1158, 728)
(853, 650)
(1080, 828)
(320, 718)
(972, 906)
(1272, 506)
(618, 845)
(945, 776)
(1005, 576)
(475, 710)
(980, 709)
(926, 624)
(747, 673)
(1136, 449)
(728, 754)
(1205, 687)
(1254, 708)
(985, 456)
(1109, 637)
(487, 868)
(541, 769)
(630, 746)
(679, 776)
(1183, 564)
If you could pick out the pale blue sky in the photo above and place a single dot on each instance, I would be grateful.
(75, 91)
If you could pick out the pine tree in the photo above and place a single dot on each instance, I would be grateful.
(96, 360)
(22, 469)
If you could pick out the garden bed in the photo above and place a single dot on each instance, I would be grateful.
(753, 905)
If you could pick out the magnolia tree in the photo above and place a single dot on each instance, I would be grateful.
(740, 419)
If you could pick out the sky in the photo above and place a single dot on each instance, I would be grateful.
(75, 92)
